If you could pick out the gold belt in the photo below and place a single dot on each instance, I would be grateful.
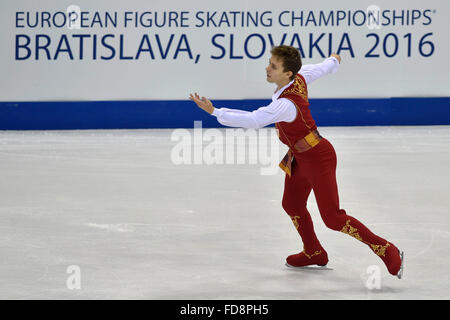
(302, 145)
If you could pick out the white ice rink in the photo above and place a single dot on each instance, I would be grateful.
(138, 226)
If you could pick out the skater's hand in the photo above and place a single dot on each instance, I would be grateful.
(202, 103)
(338, 57)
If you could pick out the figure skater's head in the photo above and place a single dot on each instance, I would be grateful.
(286, 57)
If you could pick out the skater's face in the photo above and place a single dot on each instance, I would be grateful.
(275, 72)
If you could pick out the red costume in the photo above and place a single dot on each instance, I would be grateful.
(311, 165)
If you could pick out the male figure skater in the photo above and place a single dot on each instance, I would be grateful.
(310, 163)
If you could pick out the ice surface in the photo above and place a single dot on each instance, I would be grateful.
(139, 226)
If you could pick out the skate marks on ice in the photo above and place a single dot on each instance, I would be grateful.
(153, 227)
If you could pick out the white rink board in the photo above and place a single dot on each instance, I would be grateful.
(215, 47)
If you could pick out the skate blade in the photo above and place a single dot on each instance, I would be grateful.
(312, 267)
(400, 272)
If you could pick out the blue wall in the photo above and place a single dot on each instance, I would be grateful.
(65, 115)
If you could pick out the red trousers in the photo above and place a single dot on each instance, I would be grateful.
(315, 170)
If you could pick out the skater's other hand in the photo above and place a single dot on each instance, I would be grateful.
(202, 103)
(338, 57)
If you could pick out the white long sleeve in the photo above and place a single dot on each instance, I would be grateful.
(312, 72)
(280, 109)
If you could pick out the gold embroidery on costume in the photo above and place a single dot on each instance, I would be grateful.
(295, 220)
(379, 249)
(298, 88)
(348, 229)
(309, 256)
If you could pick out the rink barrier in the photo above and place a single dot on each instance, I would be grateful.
(71, 115)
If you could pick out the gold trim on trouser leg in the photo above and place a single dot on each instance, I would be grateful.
(309, 256)
(295, 221)
(379, 250)
(348, 229)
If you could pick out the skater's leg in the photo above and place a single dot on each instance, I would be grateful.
(337, 219)
(323, 177)
(296, 191)
(327, 198)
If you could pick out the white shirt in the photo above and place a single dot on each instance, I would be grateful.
(280, 109)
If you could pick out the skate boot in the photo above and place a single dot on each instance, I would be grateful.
(393, 259)
(302, 259)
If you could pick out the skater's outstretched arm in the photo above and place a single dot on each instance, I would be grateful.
(278, 110)
(312, 72)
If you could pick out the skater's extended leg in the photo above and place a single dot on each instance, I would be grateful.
(325, 188)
